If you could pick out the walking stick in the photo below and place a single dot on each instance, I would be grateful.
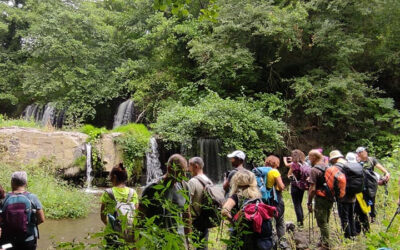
(385, 203)
(394, 216)
(309, 227)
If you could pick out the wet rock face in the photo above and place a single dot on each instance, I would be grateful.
(29, 145)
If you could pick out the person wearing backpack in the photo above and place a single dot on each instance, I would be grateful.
(117, 202)
(237, 160)
(274, 181)
(323, 205)
(22, 212)
(171, 189)
(369, 164)
(354, 185)
(196, 191)
(249, 216)
(298, 173)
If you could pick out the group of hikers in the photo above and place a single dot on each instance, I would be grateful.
(251, 198)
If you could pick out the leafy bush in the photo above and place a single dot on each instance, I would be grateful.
(93, 132)
(239, 124)
(134, 143)
(58, 198)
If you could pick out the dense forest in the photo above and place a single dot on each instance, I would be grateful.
(260, 75)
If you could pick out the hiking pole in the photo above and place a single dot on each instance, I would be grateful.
(385, 203)
(394, 216)
(309, 228)
(312, 226)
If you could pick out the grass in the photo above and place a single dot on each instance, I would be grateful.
(6, 122)
(59, 199)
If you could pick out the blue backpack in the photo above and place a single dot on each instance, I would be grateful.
(268, 195)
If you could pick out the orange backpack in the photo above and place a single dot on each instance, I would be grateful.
(335, 183)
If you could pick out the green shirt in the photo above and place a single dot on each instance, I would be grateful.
(121, 194)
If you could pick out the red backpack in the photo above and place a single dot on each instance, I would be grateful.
(334, 186)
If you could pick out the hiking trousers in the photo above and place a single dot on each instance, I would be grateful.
(280, 220)
(361, 220)
(346, 214)
(297, 198)
(323, 208)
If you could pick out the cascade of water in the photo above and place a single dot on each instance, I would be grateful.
(89, 177)
(45, 115)
(153, 164)
(215, 164)
(48, 115)
(125, 113)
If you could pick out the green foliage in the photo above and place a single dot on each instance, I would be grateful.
(93, 132)
(344, 106)
(239, 124)
(134, 143)
(58, 198)
(6, 122)
(80, 162)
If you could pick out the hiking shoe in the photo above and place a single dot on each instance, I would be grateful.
(300, 224)
(283, 244)
(372, 219)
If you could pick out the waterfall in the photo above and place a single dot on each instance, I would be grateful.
(125, 114)
(215, 164)
(153, 165)
(44, 115)
(89, 177)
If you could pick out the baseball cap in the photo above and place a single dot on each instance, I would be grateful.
(335, 154)
(238, 154)
(360, 149)
(351, 157)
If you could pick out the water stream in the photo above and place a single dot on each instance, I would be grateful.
(125, 114)
(44, 115)
(89, 177)
(67, 230)
(153, 164)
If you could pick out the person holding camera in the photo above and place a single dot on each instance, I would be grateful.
(237, 160)
(297, 187)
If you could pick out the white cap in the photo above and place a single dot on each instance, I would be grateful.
(351, 157)
(360, 149)
(238, 154)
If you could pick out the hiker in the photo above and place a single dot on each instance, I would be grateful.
(237, 160)
(369, 164)
(20, 207)
(323, 205)
(297, 186)
(361, 208)
(196, 187)
(117, 195)
(255, 234)
(346, 204)
(274, 181)
(168, 203)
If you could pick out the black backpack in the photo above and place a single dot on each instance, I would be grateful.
(371, 183)
(354, 177)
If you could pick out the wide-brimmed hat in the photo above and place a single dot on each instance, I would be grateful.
(335, 154)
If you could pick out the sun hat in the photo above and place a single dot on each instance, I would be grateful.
(237, 154)
(335, 154)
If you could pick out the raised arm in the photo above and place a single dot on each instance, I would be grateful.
(383, 169)
(226, 209)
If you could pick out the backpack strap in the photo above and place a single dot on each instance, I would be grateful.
(202, 181)
(130, 195)
(111, 194)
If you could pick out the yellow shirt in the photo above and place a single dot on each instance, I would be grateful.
(272, 175)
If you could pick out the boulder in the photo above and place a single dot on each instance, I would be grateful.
(30, 145)
(111, 155)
